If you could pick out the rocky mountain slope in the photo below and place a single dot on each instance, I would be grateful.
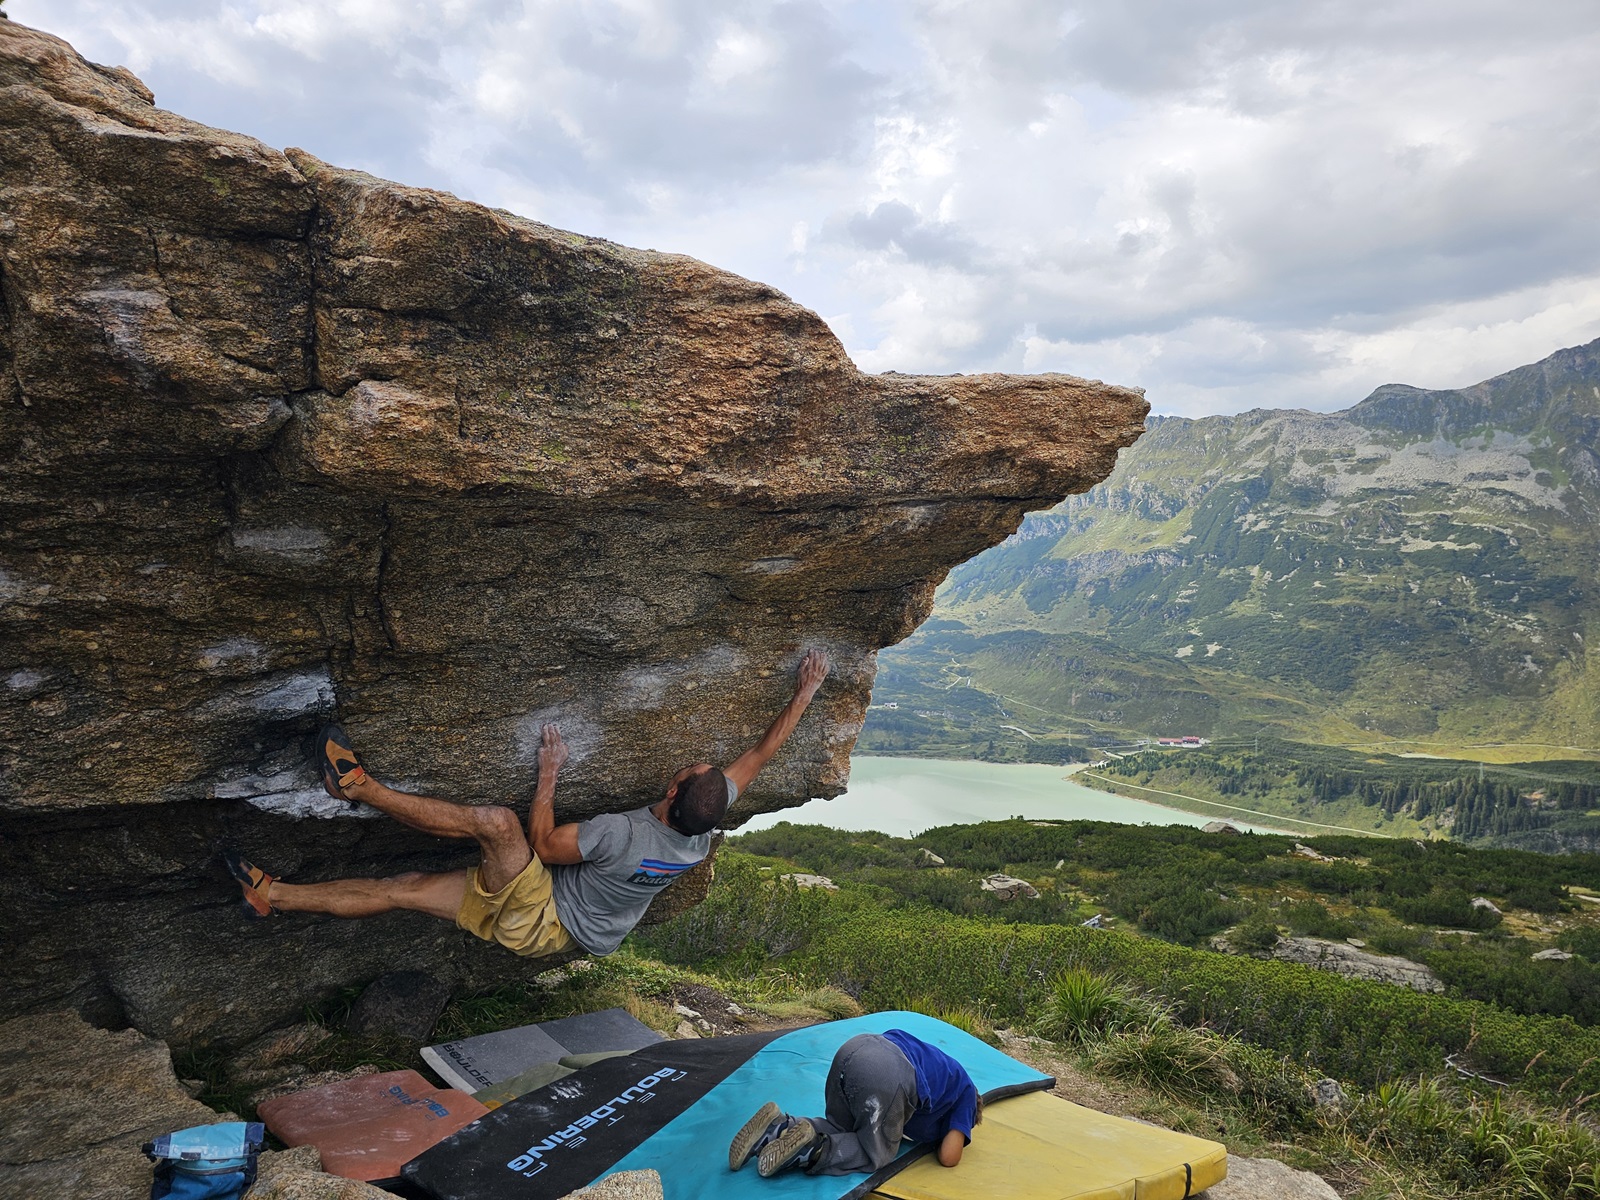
(1423, 568)
(281, 441)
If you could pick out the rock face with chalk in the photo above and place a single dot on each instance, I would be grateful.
(282, 441)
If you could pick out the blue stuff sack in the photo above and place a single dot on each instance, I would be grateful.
(208, 1162)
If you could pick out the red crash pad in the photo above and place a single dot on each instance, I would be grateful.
(368, 1128)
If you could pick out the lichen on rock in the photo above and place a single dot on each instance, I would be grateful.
(282, 440)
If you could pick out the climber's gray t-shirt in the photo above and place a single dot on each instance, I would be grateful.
(627, 859)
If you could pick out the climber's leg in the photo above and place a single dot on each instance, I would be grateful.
(436, 895)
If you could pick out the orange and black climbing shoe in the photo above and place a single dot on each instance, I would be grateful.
(253, 882)
(340, 766)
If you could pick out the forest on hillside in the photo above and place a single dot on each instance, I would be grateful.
(1547, 806)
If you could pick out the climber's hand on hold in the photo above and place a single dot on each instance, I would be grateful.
(814, 668)
(552, 751)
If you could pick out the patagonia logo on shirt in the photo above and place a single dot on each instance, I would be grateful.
(652, 872)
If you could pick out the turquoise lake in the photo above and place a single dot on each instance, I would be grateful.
(904, 796)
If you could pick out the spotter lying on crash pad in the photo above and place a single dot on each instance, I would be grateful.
(673, 1107)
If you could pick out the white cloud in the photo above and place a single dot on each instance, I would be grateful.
(1234, 204)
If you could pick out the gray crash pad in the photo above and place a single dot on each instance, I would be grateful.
(474, 1064)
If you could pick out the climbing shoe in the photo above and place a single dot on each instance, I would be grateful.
(794, 1145)
(754, 1134)
(340, 766)
(253, 882)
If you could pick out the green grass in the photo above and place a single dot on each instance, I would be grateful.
(1081, 1006)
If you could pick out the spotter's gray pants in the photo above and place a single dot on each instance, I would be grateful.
(870, 1095)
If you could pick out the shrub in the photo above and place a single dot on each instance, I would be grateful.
(1538, 897)
(748, 917)
(1312, 919)
(1584, 940)
(1256, 935)
(1082, 1005)
(963, 1017)
(1276, 1091)
(1168, 1058)
(1394, 939)
(830, 1002)
(1444, 906)
(1490, 1145)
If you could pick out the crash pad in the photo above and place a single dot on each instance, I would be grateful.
(673, 1107)
(294, 1119)
(369, 1127)
(1041, 1147)
(538, 1075)
(534, 1078)
(475, 1063)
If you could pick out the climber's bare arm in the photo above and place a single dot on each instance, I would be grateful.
(813, 670)
(556, 845)
(950, 1148)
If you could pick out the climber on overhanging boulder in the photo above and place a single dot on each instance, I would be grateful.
(544, 888)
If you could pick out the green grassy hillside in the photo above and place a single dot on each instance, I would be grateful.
(1181, 885)
(1420, 572)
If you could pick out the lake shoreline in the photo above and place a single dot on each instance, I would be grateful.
(904, 796)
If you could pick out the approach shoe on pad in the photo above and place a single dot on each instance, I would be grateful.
(754, 1134)
(794, 1146)
(253, 882)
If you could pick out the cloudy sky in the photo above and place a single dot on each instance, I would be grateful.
(1232, 203)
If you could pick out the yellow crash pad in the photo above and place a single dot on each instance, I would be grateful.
(1041, 1147)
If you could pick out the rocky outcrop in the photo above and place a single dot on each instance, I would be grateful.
(622, 1185)
(76, 1104)
(1008, 887)
(802, 879)
(401, 1004)
(1354, 963)
(1268, 1179)
(297, 1174)
(282, 441)
(1304, 851)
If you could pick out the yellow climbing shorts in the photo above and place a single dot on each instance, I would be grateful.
(521, 916)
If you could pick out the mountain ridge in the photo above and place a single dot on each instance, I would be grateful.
(1419, 568)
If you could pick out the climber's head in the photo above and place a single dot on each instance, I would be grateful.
(697, 799)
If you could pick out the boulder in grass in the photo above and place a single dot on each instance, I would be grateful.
(1008, 887)
(1328, 1094)
(403, 1004)
(802, 880)
(1268, 1179)
(1303, 851)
